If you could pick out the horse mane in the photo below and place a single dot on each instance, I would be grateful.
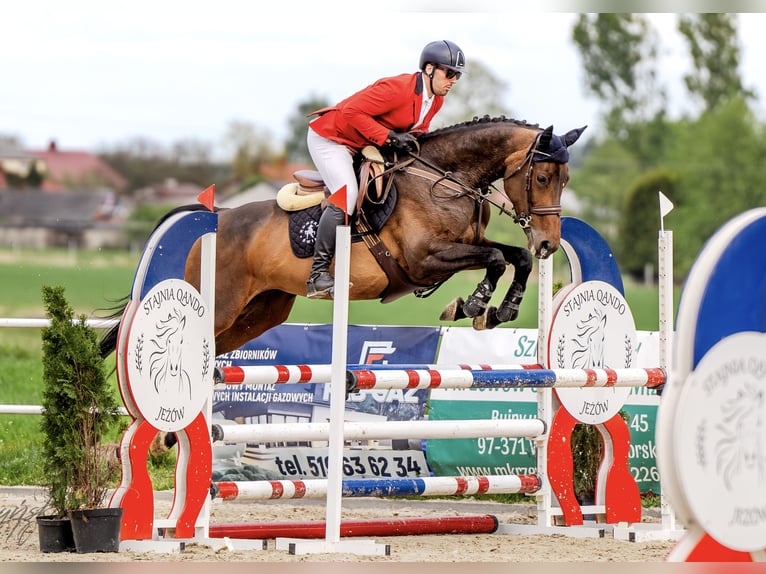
(477, 121)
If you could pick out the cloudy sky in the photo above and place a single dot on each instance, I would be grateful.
(90, 73)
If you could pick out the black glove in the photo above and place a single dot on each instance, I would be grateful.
(402, 141)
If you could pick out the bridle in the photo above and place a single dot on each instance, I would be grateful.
(448, 180)
(524, 217)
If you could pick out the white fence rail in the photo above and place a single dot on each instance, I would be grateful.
(39, 324)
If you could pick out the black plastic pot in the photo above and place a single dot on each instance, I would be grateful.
(55, 534)
(96, 530)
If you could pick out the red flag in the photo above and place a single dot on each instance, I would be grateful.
(339, 199)
(207, 198)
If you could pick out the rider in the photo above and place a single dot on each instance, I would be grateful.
(387, 112)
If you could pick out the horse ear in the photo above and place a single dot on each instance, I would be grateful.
(573, 135)
(545, 137)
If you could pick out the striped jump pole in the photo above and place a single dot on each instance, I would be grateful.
(481, 524)
(272, 374)
(290, 432)
(361, 487)
(320, 373)
(500, 379)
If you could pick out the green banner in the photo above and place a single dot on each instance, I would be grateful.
(642, 421)
(485, 455)
(513, 455)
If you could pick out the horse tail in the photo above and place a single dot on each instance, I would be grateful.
(108, 342)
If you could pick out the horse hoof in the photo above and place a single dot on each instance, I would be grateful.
(158, 447)
(487, 320)
(453, 311)
(481, 322)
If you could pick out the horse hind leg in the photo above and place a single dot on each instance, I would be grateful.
(264, 311)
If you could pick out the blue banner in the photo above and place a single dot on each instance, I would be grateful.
(296, 344)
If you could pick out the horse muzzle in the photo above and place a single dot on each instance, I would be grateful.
(542, 245)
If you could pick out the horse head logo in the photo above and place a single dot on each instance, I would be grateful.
(165, 362)
(740, 456)
(589, 342)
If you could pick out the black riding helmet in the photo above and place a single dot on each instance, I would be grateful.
(443, 53)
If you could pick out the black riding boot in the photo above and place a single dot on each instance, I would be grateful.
(320, 281)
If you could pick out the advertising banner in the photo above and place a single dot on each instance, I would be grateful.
(298, 344)
(511, 455)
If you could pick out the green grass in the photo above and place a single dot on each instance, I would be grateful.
(20, 383)
(94, 280)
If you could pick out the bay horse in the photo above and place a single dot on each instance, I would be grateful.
(445, 190)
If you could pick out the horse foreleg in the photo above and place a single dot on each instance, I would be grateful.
(478, 300)
(508, 310)
(459, 308)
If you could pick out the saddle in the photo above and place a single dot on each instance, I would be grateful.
(305, 198)
(309, 188)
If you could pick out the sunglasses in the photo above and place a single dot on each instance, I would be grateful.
(449, 73)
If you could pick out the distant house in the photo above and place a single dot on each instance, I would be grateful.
(170, 192)
(60, 198)
(18, 168)
(275, 175)
(35, 218)
(281, 172)
(259, 192)
(76, 170)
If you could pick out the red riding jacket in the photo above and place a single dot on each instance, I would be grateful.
(370, 114)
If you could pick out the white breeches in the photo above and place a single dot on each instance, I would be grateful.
(335, 162)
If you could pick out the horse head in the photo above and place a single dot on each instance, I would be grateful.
(536, 196)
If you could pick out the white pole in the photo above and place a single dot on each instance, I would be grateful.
(289, 432)
(338, 382)
(665, 284)
(207, 291)
(544, 396)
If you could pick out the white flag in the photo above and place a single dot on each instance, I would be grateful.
(666, 206)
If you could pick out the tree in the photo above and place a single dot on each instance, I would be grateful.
(601, 183)
(143, 161)
(619, 53)
(719, 158)
(478, 93)
(296, 149)
(639, 221)
(251, 147)
(80, 409)
(714, 48)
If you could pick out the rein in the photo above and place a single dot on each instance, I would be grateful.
(447, 179)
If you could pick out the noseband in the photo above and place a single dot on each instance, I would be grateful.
(524, 218)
